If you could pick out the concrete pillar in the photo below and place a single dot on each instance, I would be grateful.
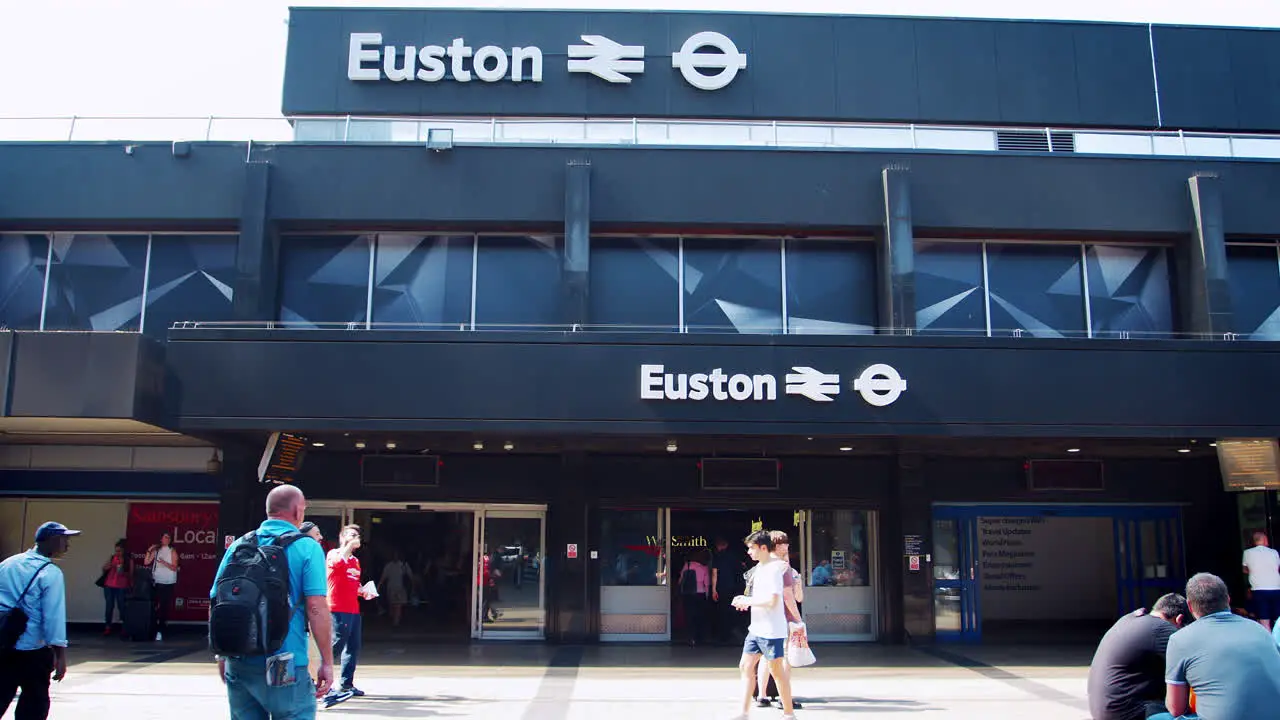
(897, 255)
(1206, 291)
(258, 251)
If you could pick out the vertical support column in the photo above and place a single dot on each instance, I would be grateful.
(570, 606)
(910, 591)
(897, 254)
(1206, 292)
(241, 498)
(258, 250)
(577, 241)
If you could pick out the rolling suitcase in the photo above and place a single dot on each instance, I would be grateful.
(137, 620)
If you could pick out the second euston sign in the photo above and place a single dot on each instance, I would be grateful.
(369, 60)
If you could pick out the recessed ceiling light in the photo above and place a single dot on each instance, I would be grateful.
(508, 445)
(671, 446)
(1184, 450)
(1213, 444)
(360, 445)
(846, 448)
(478, 445)
(391, 444)
(1073, 449)
(318, 444)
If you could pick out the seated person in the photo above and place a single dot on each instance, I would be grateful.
(1232, 663)
(1126, 677)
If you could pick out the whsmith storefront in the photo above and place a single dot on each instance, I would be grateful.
(548, 302)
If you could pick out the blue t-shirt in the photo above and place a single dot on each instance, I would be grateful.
(306, 579)
(1231, 662)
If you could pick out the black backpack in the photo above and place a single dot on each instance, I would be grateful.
(688, 581)
(251, 606)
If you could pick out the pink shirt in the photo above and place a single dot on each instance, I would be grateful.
(701, 573)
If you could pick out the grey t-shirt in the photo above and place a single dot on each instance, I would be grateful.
(1231, 663)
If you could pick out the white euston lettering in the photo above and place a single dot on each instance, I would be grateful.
(369, 60)
(359, 54)
(657, 384)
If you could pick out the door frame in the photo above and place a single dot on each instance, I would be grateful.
(513, 512)
(1124, 516)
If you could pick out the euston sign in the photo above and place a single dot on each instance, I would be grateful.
(879, 385)
(368, 60)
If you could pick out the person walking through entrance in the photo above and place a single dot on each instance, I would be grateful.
(1262, 565)
(30, 583)
(792, 597)
(344, 603)
(767, 633)
(695, 587)
(163, 561)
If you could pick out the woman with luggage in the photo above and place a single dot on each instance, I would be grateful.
(117, 573)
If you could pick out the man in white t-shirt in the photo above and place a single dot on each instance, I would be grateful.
(767, 634)
(1262, 565)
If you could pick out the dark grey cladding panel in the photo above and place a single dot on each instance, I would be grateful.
(798, 67)
(357, 185)
(6, 367)
(87, 375)
(558, 383)
(1214, 78)
(86, 183)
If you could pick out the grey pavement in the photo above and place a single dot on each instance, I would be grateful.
(518, 681)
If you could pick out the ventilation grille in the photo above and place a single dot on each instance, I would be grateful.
(1034, 141)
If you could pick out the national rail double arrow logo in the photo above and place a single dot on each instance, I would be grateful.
(606, 59)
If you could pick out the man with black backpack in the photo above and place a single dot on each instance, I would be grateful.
(33, 623)
(270, 587)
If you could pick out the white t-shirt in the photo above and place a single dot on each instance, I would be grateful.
(770, 624)
(161, 574)
(1264, 568)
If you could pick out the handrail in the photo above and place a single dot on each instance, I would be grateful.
(586, 329)
(649, 132)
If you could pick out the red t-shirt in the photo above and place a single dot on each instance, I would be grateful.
(344, 583)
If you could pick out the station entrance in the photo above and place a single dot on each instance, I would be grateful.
(644, 551)
(446, 571)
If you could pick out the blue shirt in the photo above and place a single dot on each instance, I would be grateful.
(1231, 662)
(306, 579)
(45, 603)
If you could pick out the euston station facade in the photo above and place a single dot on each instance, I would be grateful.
(972, 309)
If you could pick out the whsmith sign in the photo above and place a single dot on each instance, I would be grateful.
(526, 63)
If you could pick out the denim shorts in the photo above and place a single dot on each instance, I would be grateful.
(771, 648)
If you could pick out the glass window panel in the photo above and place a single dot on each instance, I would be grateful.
(192, 279)
(831, 287)
(1037, 289)
(946, 609)
(22, 265)
(946, 550)
(635, 284)
(423, 280)
(950, 297)
(324, 280)
(631, 547)
(840, 549)
(1130, 290)
(95, 282)
(732, 285)
(518, 282)
(1255, 290)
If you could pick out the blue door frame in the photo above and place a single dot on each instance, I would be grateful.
(1149, 558)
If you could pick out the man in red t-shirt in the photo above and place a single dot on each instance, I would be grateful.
(344, 604)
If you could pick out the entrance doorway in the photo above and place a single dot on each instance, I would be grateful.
(446, 571)
(1050, 572)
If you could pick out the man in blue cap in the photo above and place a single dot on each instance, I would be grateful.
(32, 581)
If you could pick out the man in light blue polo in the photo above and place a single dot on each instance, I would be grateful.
(32, 581)
(248, 693)
(1231, 662)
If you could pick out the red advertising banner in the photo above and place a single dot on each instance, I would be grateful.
(194, 529)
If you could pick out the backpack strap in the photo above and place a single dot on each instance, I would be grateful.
(31, 582)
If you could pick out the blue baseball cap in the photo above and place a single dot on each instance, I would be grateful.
(53, 529)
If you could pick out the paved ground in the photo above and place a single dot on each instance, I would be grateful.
(109, 679)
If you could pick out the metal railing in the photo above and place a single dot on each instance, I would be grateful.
(610, 132)
(566, 328)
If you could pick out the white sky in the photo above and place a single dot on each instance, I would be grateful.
(164, 58)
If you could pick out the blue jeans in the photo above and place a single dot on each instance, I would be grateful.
(115, 600)
(346, 647)
(251, 699)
